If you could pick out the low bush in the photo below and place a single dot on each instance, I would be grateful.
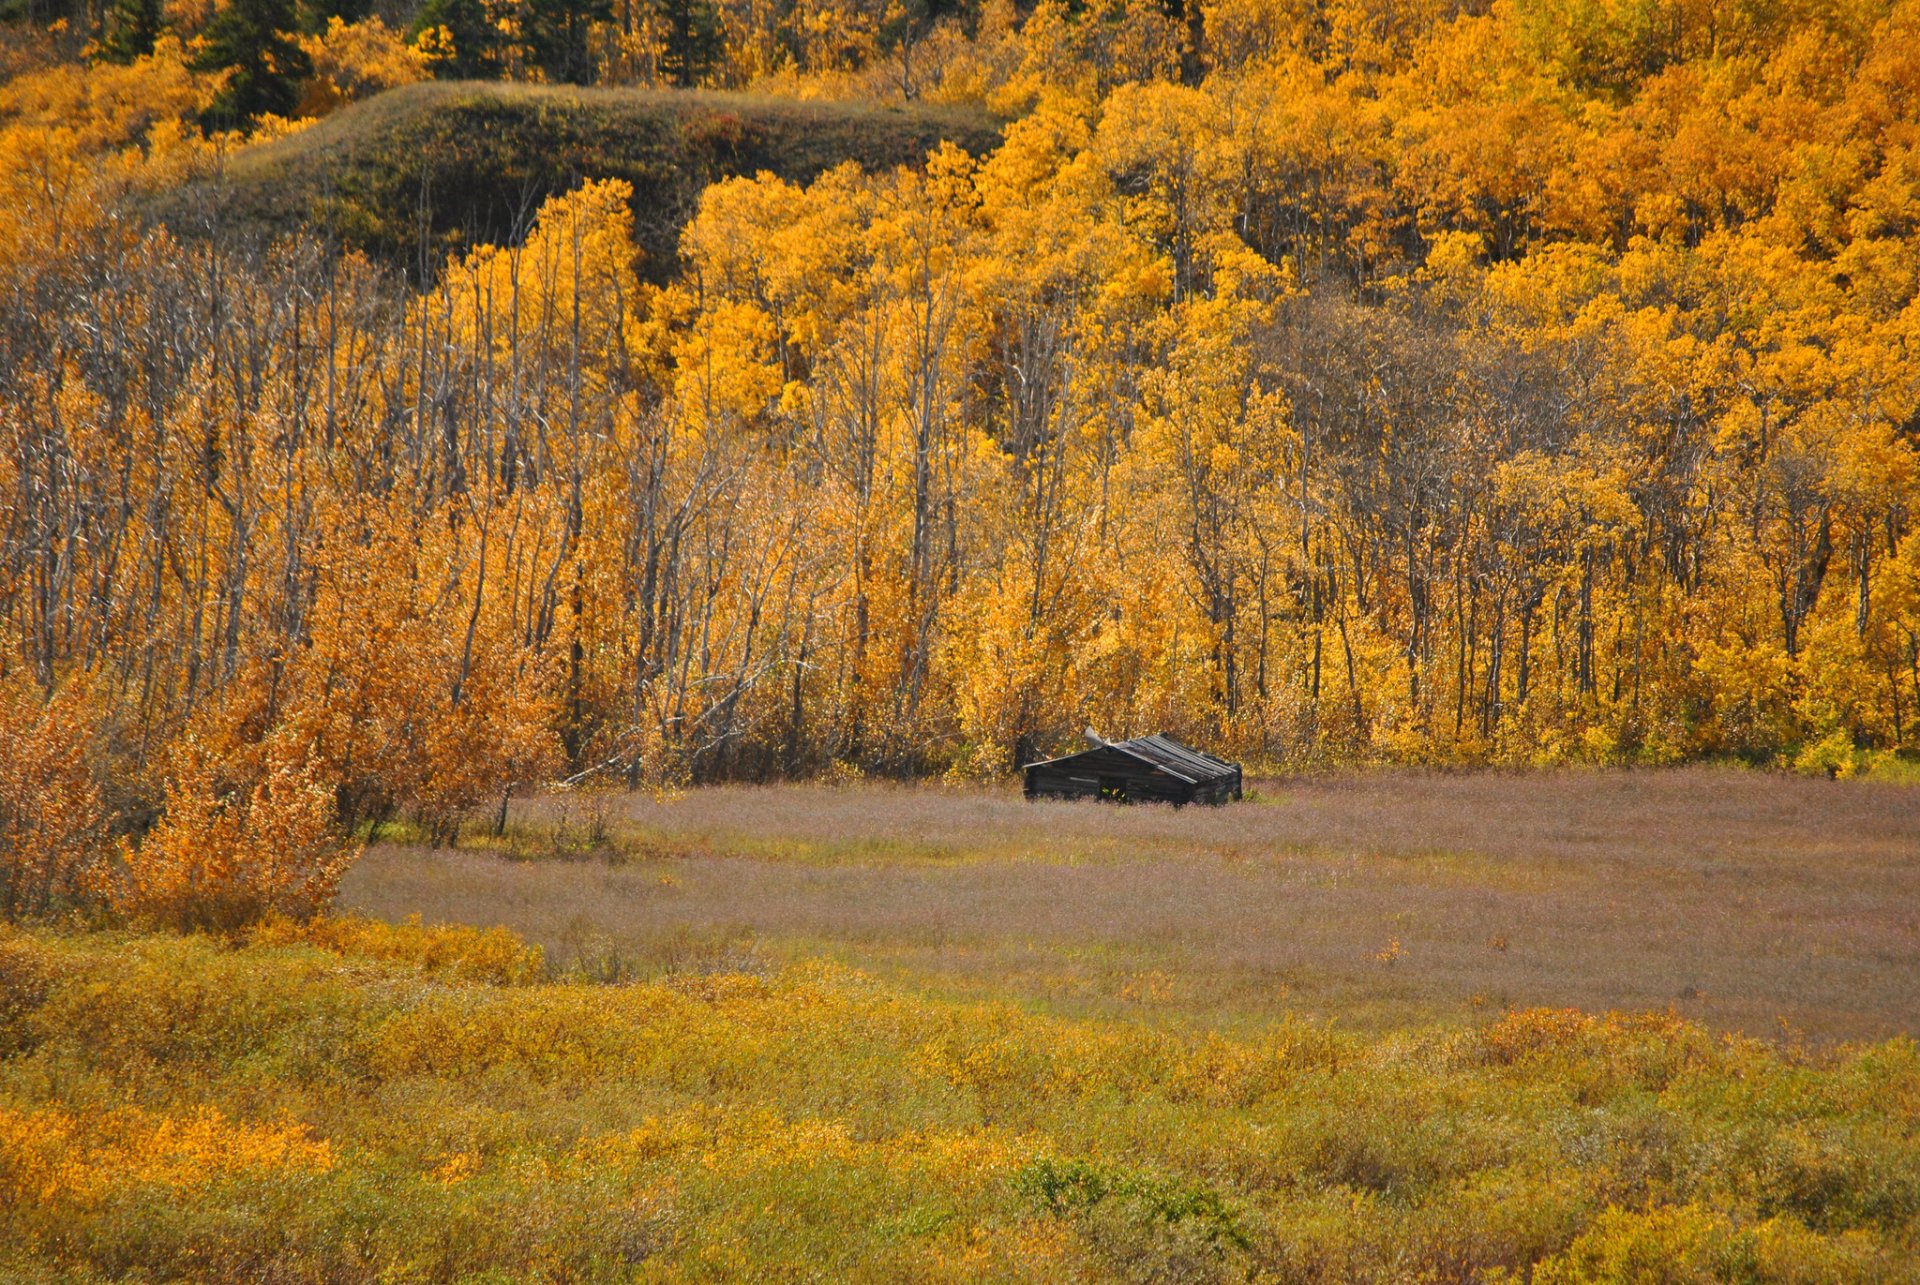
(187, 1107)
(1685, 1244)
(225, 854)
(495, 955)
(26, 974)
(53, 827)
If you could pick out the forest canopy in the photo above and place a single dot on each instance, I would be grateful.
(1324, 382)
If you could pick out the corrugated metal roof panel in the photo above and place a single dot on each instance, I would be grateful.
(1164, 754)
(1170, 754)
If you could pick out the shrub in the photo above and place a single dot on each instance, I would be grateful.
(495, 955)
(54, 1157)
(52, 823)
(1833, 755)
(1680, 1244)
(1142, 1227)
(199, 1112)
(25, 976)
(1533, 1033)
(227, 855)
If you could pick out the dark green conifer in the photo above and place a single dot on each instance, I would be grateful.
(556, 34)
(476, 40)
(254, 38)
(693, 40)
(129, 28)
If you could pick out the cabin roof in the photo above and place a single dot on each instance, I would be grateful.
(1162, 753)
(1184, 760)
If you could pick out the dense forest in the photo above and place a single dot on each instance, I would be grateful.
(1441, 382)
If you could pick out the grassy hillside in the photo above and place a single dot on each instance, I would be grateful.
(436, 165)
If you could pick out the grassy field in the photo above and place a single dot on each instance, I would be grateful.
(464, 163)
(1743, 900)
(890, 1034)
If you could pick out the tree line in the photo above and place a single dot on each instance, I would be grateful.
(1487, 388)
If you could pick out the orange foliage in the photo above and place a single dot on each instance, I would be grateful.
(1510, 384)
(226, 854)
(494, 955)
(352, 60)
(50, 1157)
(53, 826)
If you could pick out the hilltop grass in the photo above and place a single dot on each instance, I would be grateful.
(351, 1103)
(414, 172)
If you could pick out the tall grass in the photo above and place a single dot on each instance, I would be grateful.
(1741, 899)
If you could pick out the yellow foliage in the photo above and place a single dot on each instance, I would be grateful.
(1510, 384)
(353, 60)
(757, 1126)
(494, 955)
(50, 1157)
(738, 1141)
(1535, 1032)
(1684, 1244)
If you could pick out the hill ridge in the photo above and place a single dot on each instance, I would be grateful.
(478, 157)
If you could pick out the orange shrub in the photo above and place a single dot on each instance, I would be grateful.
(497, 955)
(1534, 1032)
(52, 826)
(51, 1156)
(26, 976)
(224, 855)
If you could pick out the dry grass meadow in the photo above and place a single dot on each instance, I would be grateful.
(1756, 902)
(888, 1034)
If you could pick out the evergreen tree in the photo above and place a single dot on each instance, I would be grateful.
(254, 39)
(693, 40)
(476, 40)
(130, 28)
(315, 14)
(556, 35)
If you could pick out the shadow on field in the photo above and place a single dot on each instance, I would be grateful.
(1744, 900)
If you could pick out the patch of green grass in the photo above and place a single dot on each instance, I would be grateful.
(393, 830)
(1889, 768)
